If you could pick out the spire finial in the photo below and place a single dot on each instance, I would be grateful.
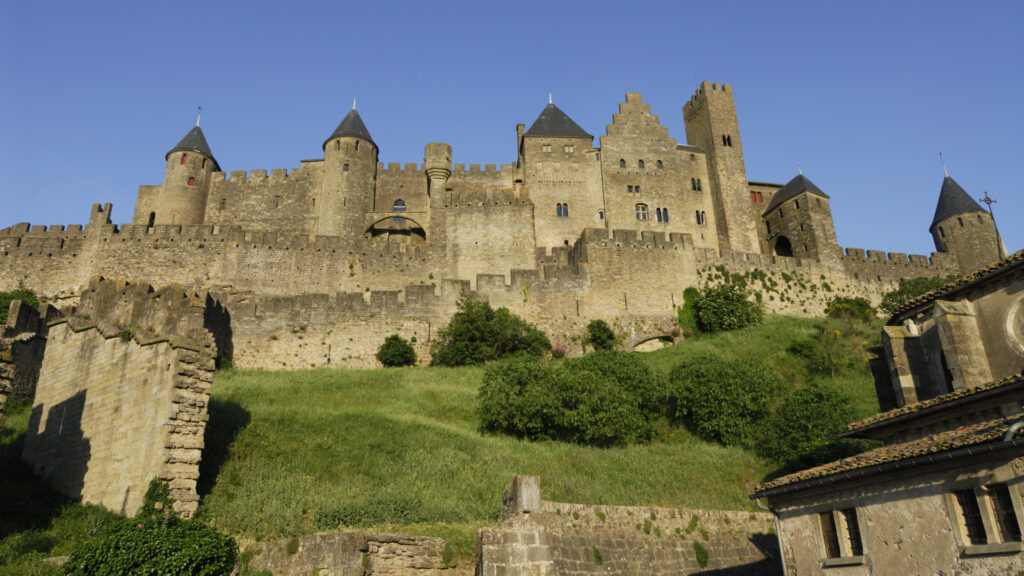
(999, 242)
(199, 114)
(944, 171)
(549, 97)
(799, 170)
(353, 103)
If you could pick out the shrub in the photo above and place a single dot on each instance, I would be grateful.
(688, 311)
(809, 418)
(912, 288)
(839, 346)
(631, 373)
(582, 402)
(846, 308)
(478, 333)
(155, 542)
(558, 351)
(396, 351)
(726, 307)
(600, 335)
(26, 296)
(720, 398)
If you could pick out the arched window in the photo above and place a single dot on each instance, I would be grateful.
(152, 219)
(191, 181)
(565, 210)
(641, 211)
(184, 158)
(657, 213)
(664, 214)
(701, 218)
(622, 163)
(783, 247)
(357, 145)
(399, 206)
(558, 210)
(344, 168)
(640, 164)
(660, 165)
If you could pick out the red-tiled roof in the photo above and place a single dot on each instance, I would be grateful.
(965, 436)
(972, 277)
(932, 402)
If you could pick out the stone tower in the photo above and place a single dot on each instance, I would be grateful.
(350, 174)
(710, 117)
(798, 222)
(182, 198)
(964, 229)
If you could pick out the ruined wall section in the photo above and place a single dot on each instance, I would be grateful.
(22, 344)
(351, 553)
(282, 201)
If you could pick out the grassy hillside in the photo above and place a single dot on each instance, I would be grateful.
(294, 453)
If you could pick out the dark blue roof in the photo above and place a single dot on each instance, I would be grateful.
(351, 125)
(194, 141)
(793, 188)
(953, 200)
(553, 122)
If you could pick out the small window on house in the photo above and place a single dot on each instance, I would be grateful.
(570, 149)
(641, 211)
(660, 165)
(768, 227)
(728, 140)
(1002, 508)
(191, 181)
(699, 188)
(277, 202)
(840, 534)
(780, 213)
(640, 164)
(960, 221)
(693, 184)
(629, 189)
(344, 168)
(701, 218)
(152, 219)
(992, 506)
(636, 188)
(829, 534)
(600, 214)
(184, 158)
(692, 157)
(970, 513)
(622, 163)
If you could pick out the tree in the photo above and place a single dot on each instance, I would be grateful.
(726, 307)
(912, 288)
(396, 351)
(25, 295)
(600, 335)
(478, 333)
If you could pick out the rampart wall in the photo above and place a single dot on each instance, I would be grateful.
(351, 553)
(550, 538)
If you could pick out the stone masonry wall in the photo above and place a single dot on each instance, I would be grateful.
(541, 538)
(351, 554)
(119, 405)
(22, 344)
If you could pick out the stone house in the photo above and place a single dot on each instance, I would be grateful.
(943, 493)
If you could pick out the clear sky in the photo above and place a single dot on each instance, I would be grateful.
(862, 95)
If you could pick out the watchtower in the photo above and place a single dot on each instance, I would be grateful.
(963, 228)
(350, 175)
(182, 198)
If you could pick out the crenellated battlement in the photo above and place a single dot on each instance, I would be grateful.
(487, 169)
(397, 168)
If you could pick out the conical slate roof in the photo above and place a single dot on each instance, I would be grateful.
(351, 125)
(194, 141)
(953, 200)
(794, 187)
(553, 122)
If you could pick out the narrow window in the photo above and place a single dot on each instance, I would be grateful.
(565, 210)
(942, 233)
(344, 168)
(657, 212)
(630, 188)
(357, 145)
(600, 214)
(971, 514)
(184, 158)
(277, 202)
(664, 214)
(768, 227)
(728, 140)
(693, 184)
(641, 211)
(640, 164)
(660, 165)
(191, 181)
(760, 199)
(223, 203)
(699, 188)
(637, 188)
(797, 204)
(152, 219)
(204, 162)
(723, 140)
(622, 163)
(337, 144)
(692, 157)
(780, 213)
(961, 221)
(558, 210)
(1006, 518)
(753, 196)
(829, 534)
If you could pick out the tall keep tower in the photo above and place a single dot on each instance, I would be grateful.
(710, 118)
(182, 198)
(963, 228)
(350, 175)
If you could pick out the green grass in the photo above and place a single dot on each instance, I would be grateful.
(296, 453)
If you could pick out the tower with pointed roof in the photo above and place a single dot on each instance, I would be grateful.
(182, 198)
(349, 180)
(798, 222)
(962, 228)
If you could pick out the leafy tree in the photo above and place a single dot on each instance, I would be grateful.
(478, 333)
(912, 288)
(23, 294)
(726, 307)
(600, 335)
(808, 419)
(844, 307)
(396, 351)
(721, 398)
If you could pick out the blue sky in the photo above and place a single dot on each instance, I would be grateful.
(862, 95)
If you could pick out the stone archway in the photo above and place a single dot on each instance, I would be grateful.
(783, 247)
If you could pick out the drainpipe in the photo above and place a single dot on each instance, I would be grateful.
(778, 528)
(1013, 430)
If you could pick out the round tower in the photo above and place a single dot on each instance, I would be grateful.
(437, 163)
(182, 198)
(350, 176)
(964, 229)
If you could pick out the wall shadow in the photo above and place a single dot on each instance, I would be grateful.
(60, 453)
(217, 320)
(227, 419)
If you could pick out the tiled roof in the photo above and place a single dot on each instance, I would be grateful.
(553, 122)
(979, 274)
(953, 200)
(793, 188)
(927, 405)
(963, 437)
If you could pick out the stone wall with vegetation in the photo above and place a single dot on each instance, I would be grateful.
(22, 344)
(350, 554)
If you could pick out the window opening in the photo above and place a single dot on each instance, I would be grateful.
(640, 164)
(797, 204)
(399, 206)
(971, 513)
(1006, 518)
(600, 214)
(942, 233)
(753, 196)
(622, 163)
(641, 211)
(337, 144)
(223, 203)
(853, 532)
(344, 168)
(152, 219)
(657, 212)
(961, 221)
(184, 157)
(664, 214)
(760, 199)
(783, 247)
(829, 534)
(191, 181)
(204, 162)
(660, 165)
(357, 145)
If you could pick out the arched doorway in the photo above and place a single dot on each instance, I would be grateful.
(783, 247)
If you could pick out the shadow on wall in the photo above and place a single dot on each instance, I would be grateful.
(61, 451)
(768, 544)
(227, 419)
(217, 320)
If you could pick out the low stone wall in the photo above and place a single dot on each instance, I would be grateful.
(351, 554)
(541, 538)
(117, 407)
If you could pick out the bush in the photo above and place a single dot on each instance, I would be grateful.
(600, 335)
(155, 542)
(478, 333)
(721, 398)
(26, 296)
(726, 307)
(807, 420)
(688, 312)
(396, 351)
(846, 308)
(912, 288)
(841, 346)
(604, 399)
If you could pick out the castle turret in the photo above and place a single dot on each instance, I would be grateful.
(182, 198)
(350, 175)
(711, 123)
(798, 222)
(963, 228)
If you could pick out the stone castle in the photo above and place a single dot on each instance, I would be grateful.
(316, 265)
